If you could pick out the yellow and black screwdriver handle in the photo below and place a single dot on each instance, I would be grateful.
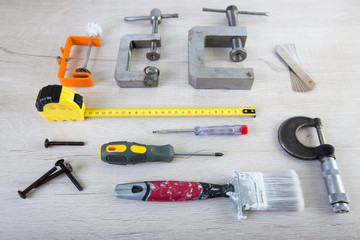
(123, 153)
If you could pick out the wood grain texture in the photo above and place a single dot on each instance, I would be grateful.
(326, 35)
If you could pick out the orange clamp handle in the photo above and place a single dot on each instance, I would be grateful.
(78, 79)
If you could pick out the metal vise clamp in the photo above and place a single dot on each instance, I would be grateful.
(150, 76)
(232, 36)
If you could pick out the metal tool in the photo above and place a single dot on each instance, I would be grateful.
(155, 19)
(48, 143)
(51, 174)
(324, 152)
(93, 30)
(59, 103)
(232, 7)
(82, 76)
(123, 153)
(237, 53)
(253, 191)
(150, 76)
(234, 36)
(22, 194)
(65, 169)
(300, 79)
(211, 130)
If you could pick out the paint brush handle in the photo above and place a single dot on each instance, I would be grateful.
(171, 190)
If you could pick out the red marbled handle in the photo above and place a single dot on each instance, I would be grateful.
(173, 191)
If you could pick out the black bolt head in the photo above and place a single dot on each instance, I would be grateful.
(21, 194)
(59, 162)
(46, 143)
(66, 167)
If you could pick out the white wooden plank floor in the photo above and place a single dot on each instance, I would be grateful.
(327, 36)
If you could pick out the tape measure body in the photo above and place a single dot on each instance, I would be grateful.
(59, 103)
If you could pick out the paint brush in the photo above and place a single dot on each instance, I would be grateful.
(250, 191)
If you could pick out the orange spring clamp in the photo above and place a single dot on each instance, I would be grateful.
(78, 79)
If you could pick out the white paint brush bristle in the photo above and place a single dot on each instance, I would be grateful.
(275, 191)
(283, 191)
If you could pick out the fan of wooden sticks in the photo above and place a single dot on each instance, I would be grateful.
(300, 79)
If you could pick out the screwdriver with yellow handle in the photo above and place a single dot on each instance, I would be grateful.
(123, 153)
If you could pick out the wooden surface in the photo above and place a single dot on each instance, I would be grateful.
(327, 36)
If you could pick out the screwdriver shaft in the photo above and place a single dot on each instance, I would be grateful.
(210, 130)
(216, 154)
(173, 131)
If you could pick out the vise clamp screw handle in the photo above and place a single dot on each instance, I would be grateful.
(155, 18)
(238, 53)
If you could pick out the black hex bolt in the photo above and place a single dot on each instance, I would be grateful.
(48, 143)
(36, 183)
(67, 171)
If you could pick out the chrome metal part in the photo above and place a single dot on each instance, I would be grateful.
(238, 53)
(174, 131)
(238, 12)
(334, 185)
(87, 55)
(236, 195)
(234, 37)
(332, 177)
(150, 76)
(249, 193)
(137, 79)
(132, 191)
(203, 77)
(216, 154)
(93, 30)
(155, 18)
(324, 152)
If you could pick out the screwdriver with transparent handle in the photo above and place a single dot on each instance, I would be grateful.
(212, 130)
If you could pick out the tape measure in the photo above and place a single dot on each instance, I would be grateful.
(59, 103)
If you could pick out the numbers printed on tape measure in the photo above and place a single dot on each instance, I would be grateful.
(169, 112)
(71, 107)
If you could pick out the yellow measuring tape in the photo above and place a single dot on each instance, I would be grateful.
(58, 103)
(169, 112)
